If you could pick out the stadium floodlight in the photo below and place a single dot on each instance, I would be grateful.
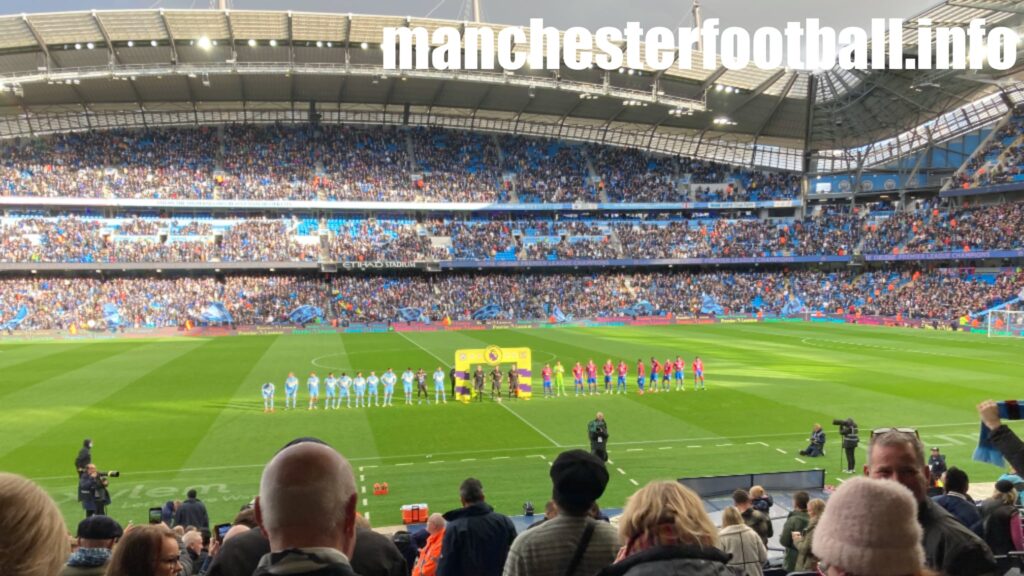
(364, 45)
(330, 44)
(131, 44)
(153, 43)
(205, 43)
(719, 87)
(273, 43)
(90, 45)
(319, 44)
(252, 43)
(78, 46)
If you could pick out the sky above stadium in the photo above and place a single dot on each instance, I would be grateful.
(750, 14)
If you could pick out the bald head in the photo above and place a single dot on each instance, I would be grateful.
(308, 499)
(435, 523)
(235, 531)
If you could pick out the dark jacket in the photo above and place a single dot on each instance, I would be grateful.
(796, 522)
(763, 504)
(376, 555)
(92, 492)
(963, 510)
(951, 548)
(84, 457)
(1009, 445)
(996, 517)
(373, 555)
(240, 555)
(672, 560)
(192, 512)
(761, 524)
(476, 541)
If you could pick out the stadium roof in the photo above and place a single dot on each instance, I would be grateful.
(79, 70)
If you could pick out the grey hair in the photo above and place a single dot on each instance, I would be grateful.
(897, 438)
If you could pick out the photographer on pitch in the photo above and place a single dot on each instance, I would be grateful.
(597, 430)
(816, 446)
(848, 432)
(92, 490)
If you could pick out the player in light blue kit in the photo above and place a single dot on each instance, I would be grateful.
(360, 385)
(389, 380)
(313, 384)
(344, 389)
(268, 397)
(332, 392)
(439, 386)
(291, 391)
(372, 383)
(407, 378)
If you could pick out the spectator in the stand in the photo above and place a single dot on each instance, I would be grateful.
(666, 531)
(869, 528)
(805, 559)
(193, 542)
(476, 539)
(307, 508)
(33, 537)
(376, 554)
(796, 523)
(742, 543)
(96, 537)
(761, 500)
(1001, 520)
(151, 550)
(572, 538)
(550, 511)
(192, 512)
(898, 454)
(1001, 436)
(760, 522)
(957, 501)
(430, 554)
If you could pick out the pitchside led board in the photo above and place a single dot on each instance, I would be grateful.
(467, 360)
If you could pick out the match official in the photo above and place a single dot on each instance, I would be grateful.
(598, 432)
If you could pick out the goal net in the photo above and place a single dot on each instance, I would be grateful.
(1006, 324)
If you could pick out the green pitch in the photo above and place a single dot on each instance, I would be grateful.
(181, 413)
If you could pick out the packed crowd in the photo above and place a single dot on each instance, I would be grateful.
(386, 164)
(74, 239)
(908, 515)
(968, 229)
(1005, 169)
(58, 303)
(829, 232)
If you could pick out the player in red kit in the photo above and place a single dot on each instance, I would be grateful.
(577, 378)
(698, 373)
(641, 372)
(666, 371)
(620, 386)
(609, 369)
(592, 377)
(655, 369)
(680, 375)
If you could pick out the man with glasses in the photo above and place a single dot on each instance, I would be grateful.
(950, 548)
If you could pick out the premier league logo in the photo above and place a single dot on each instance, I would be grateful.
(493, 355)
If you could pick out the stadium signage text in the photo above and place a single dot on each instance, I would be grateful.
(800, 45)
(376, 265)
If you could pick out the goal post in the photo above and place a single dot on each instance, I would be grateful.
(1005, 323)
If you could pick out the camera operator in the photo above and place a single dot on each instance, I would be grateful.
(816, 446)
(92, 490)
(848, 431)
(597, 430)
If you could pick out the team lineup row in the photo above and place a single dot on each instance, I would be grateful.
(366, 390)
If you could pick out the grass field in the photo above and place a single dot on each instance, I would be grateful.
(173, 414)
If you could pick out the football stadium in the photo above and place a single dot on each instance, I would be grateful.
(269, 305)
